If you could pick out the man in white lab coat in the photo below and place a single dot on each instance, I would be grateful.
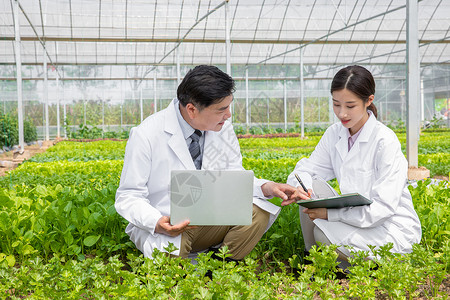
(191, 133)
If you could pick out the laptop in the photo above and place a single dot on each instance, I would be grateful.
(206, 197)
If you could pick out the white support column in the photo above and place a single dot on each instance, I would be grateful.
(133, 96)
(422, 102)
(64, 112)
(413, 83)
(141, 105)
(84, 111)
(18, 75)
(121, 115)
(302, 95)
(247, 113)
(319, 106)
(285, 105)
(103, 114)
(121, 105)
(228, 49)
(45, 93)
(155, 100)
(227, 38)
(178, 66)
(58, 123)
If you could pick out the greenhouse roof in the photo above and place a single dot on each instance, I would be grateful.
(122, 32)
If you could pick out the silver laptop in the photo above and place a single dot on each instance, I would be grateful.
(211, 197)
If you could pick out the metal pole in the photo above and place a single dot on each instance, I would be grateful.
(58, 124)
(227, 38)
(133, 95)
(448, 104)
(247, 114)
(121, 105)
(64, 112)
(141, 105)
(155, 102)
(413, 83)
(302, 95)
(178, 66)
(318, 105)
(285, 106)
(43, 120)
(422, 102)
(18, 76)
(121, 116)
(45, 95)
(84, 111)
(385, 104)
(103, 114)
(228, 49)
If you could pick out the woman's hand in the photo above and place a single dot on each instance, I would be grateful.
(316, 213)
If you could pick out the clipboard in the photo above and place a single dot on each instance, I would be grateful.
(346, 200)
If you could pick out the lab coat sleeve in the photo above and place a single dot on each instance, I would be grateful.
(131, 196)
(319, 163)
(390, 169)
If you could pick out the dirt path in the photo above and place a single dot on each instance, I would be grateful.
(7, 162)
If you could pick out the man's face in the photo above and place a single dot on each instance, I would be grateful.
(213, 117)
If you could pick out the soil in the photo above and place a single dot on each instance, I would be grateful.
(441, 177)
(7, 158)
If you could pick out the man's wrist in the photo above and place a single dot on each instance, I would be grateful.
(266, 190)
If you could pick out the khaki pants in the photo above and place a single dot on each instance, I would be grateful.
(240, 239)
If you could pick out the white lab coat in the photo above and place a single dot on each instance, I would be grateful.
(156, 147)
(374, 167)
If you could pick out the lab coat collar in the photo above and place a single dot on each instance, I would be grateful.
(177, 141)
(344, 134)
(368, 128)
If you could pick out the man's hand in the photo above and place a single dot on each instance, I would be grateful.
(280, 190)
(316, 213)
(299, 194)
(163, 226)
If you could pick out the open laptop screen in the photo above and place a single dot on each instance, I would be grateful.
(211, 197)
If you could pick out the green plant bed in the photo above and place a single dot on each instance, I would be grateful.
(60, 237)
(419, 274)
(73, 151)
(438, 163)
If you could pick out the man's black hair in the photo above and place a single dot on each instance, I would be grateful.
(205, 85)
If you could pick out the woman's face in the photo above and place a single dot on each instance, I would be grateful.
(350, 109)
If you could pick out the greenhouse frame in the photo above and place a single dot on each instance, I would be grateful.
(112, 63)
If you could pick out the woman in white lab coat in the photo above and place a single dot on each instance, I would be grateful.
(366, 158)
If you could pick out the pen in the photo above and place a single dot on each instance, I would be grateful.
(301, 183)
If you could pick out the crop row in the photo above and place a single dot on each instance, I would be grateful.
(58, 226)
(391, 276)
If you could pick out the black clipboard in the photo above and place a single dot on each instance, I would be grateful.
(336, 202)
